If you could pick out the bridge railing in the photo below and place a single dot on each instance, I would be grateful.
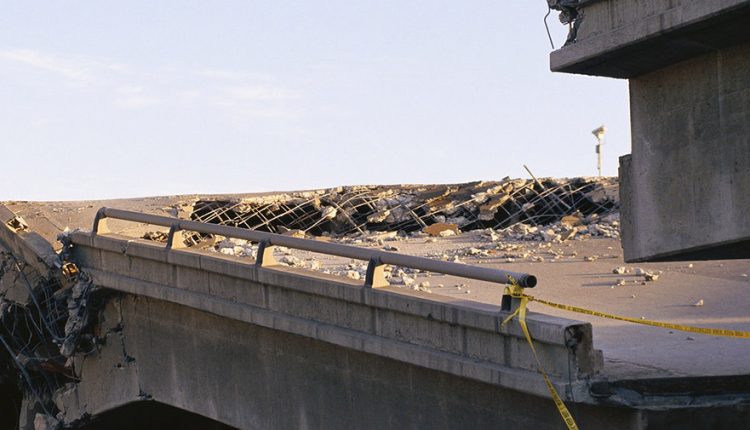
(377, 259)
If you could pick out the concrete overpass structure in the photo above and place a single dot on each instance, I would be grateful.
(684, 189)
(208, 341)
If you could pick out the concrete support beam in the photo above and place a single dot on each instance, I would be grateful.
(685, 190)
(627, 38)
(252, 377)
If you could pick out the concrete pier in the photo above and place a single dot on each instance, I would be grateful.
(684, 189)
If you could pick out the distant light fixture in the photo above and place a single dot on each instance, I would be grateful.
(599, 134)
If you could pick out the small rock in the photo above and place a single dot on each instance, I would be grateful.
(570, 220)
(690, 266)
(467, 291)
(550, 235)
(390, 248)
(382, 236)
(651, 277)
(293, 261)
(294, 233)
(620, 282)
(353, 274)
(45, 422)
(568, 234)
(439, 229)
(699, 303)
(447, 233)
(621, 270)
(639, 272)
(689, 338)
(422, 286)
(328, 212)
(379, 217)
(590, 258)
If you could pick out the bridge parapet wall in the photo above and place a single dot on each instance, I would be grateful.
(434, 332)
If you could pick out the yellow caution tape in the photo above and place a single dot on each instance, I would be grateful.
(687, 328)
(561, 408)
(515, 291)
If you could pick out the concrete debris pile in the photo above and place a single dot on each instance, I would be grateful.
(570, 226)
(353, 270)
(358, 210)
(45, 317)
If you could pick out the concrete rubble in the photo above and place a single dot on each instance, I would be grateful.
(566, 207)
(44, 319)
(532, 246)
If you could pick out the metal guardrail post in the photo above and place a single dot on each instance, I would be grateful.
(505, 304)
(100, 223)
(174, 229)
(375, 276)
(265, 256)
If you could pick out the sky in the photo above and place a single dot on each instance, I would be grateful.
(107, 99)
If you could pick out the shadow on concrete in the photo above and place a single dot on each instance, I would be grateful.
(148, 415)
(10, 405)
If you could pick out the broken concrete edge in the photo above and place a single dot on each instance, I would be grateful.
(598, 56)
(41, 272)
(665, 393)
(338, 312)
(726, 250)
(357, 211)
(27, 246)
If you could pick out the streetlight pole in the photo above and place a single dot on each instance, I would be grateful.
(599, 133)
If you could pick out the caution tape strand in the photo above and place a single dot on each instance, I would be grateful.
(679, 327)
(561, 408)
(515, 291)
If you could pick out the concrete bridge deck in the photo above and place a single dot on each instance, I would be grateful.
(276, 347)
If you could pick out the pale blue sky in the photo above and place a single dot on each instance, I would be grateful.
(119, 99)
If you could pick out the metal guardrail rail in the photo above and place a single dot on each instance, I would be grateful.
(377, 259)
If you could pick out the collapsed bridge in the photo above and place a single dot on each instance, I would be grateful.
(409, 208)
(193, 336)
